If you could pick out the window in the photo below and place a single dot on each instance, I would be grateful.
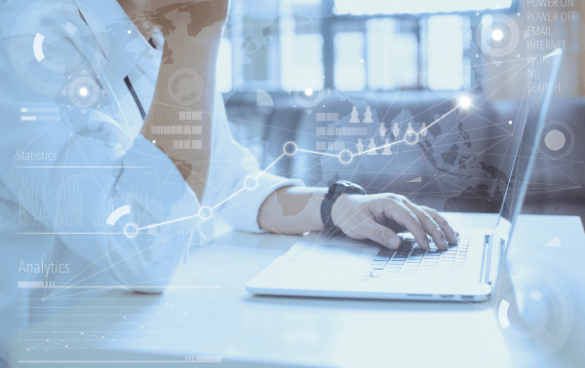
(300, 53)
(446, 65)
(371, 7)
(224, 66)
(392, 54)
(349, 45)
(350, 70)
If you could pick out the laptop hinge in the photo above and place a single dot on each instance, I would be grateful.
(486, 261)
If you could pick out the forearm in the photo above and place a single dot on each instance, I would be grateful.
(195, 53)
(292, 210)
(295, 210)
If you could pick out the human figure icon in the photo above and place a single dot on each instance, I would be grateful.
(372, 148)
(360, 146)
(396, 131)
(423, 130)
(354, 116)
(387, 151)
(368, 115)
(409, 129)
(382, 129)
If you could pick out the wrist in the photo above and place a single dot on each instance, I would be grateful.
(337, 209)
(340, 208)
(336, 191)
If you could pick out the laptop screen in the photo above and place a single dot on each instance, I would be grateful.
(524, 144)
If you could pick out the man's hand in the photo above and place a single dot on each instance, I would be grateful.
(295, 210)
(363, 217)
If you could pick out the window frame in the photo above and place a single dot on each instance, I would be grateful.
(329, 20)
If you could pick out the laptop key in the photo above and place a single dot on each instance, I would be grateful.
(376, 273)
(385, 252)
(418, 252)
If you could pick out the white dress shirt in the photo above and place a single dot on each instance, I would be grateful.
(68, 161)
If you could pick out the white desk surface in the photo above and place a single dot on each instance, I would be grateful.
(208, 313)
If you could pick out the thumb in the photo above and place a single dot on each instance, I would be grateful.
(380, 234)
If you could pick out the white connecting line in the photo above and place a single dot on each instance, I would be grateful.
(205, 212)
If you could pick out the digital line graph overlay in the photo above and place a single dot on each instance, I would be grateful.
(251, 183)
(290, 149)
(345, 157)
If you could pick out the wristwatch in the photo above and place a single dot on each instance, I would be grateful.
(335, 191)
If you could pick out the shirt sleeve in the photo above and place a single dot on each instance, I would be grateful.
(242, 213)
(235, 183)
(81, 172)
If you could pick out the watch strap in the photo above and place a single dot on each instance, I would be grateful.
(335, 191)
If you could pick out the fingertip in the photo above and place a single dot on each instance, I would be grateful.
(394, 242)
(425, 244)
(454, 239)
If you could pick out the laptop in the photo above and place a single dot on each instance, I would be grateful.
(468, 271)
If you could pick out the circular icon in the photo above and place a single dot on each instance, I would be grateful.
(556, 140)
(534, 315)
(126, 222)
(84, 92)
(185, 86)
(411, 138)
(205, 212)
(131, 230)
(290, 148)
(52, 42)
(309, 92)
(345, 157)
(251, 183)
(497, 35)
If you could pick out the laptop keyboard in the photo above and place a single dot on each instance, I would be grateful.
(413, 264)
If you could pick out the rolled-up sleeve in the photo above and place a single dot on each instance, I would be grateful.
(235, 181)
(242, 214)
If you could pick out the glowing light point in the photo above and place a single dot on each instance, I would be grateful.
(308, 91)
(464, 102)
(497, 34)
(83, 91)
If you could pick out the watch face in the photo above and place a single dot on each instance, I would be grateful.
(346, 187)
(342, 187)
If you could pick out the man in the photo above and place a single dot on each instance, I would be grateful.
(103, 174)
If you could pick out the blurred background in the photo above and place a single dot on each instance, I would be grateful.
(293, 70)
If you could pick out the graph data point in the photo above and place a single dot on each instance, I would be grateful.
(411, 138)
(131, 230)
(345, 157)
(464, 102)
(205, 212)
(290, 148)
(251, 183)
